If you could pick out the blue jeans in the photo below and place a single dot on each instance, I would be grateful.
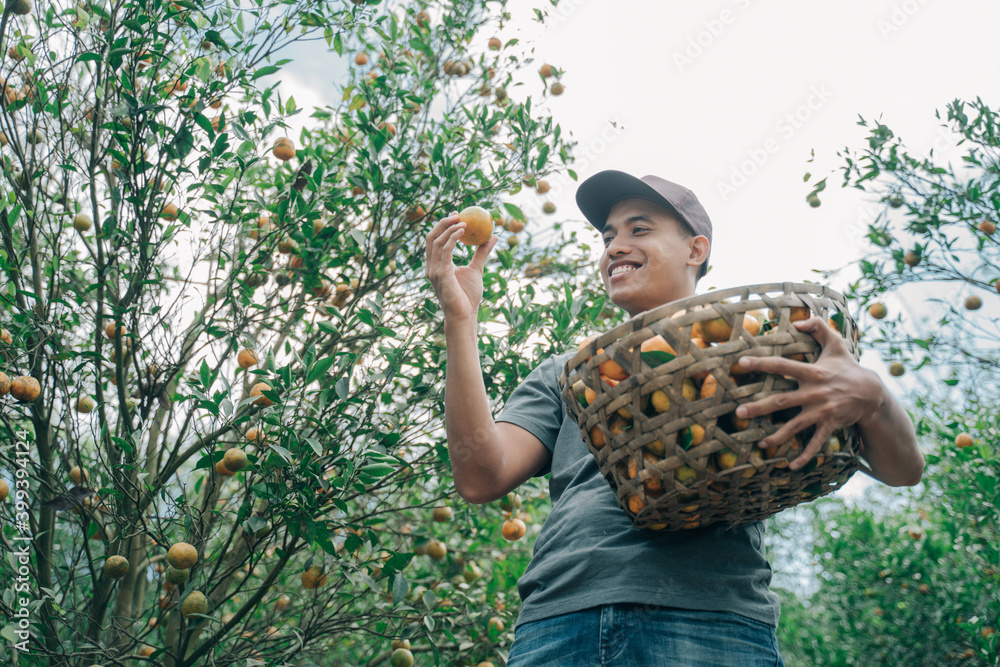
(632, 635)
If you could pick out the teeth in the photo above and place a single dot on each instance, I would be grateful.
(622, 269)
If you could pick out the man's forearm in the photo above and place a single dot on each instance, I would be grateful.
(890, 444)
(475, 458)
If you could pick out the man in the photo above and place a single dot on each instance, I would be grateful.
(597, 590)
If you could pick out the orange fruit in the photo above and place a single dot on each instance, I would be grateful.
(85, 404)
(878, 310)
(194, 603)
(169, 212)
(987, 227)
(283, 149)
(313, 577)
(548, 208)
(685, 474)
(660, 401)
(597, 437)
(361, 59)
(726, 459)
(964, 440)
(258, 391)
(688, 391)
(247, 358)
(911, 258)
(235, 459)
(221, 469)
(437, 549)
(896, 369)
(795, 313)
(709, 386)
(4, 490)
(263, 226)
(6, 337)
(82, 222)
(182, 555)
(656, 344)
(973, 303)
(109, 331)
(541, 187)
(478, 225)
(442, 514)
(116, 567)
(494, 43)
(697, 432)
(545, 71)
(715, 330)
(25, 389)
(513, 530)
(4, 384)
(635, 504)
(256, 435)
(611, 369)
(401, 657)
(145, 651)
(78, 475)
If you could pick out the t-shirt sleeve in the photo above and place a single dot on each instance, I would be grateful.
(537, 406)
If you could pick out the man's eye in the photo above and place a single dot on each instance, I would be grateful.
(607, 240)
(638, 229)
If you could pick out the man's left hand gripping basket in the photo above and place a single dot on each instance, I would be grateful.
(655, 401)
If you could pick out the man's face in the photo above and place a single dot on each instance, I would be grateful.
(647, 260)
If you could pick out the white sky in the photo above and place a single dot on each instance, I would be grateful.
(750, 63)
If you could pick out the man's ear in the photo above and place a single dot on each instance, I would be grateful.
(699, 247)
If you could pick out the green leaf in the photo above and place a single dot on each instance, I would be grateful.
(264, 71)
(543, 156)
(656, 358)
(320, 369)
(686, 438)
(282, 452)
(376, 469)
(357, 102)
(88, 57)
(400, 587)
(514, 211)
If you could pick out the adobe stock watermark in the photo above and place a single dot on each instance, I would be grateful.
(899, 16)
(20, 557)
(562, 11)
(785, 128)
(711, 31)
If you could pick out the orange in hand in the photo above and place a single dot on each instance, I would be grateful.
(478, 225)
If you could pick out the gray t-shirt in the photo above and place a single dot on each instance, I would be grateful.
(588, 553)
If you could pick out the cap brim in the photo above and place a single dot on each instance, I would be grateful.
(598, 194)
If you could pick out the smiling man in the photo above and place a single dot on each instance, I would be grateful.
(598, 591)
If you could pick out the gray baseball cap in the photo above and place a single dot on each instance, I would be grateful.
(598, 194)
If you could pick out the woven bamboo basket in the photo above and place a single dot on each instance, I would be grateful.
(662, 426)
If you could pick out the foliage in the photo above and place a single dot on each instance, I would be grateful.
(914, 578)
(121, 111)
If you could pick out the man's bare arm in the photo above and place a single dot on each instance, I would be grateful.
(488, 459)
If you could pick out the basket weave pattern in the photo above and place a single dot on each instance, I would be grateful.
(671, 447)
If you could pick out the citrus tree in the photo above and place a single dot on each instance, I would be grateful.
(914, 577)
(222, 423)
